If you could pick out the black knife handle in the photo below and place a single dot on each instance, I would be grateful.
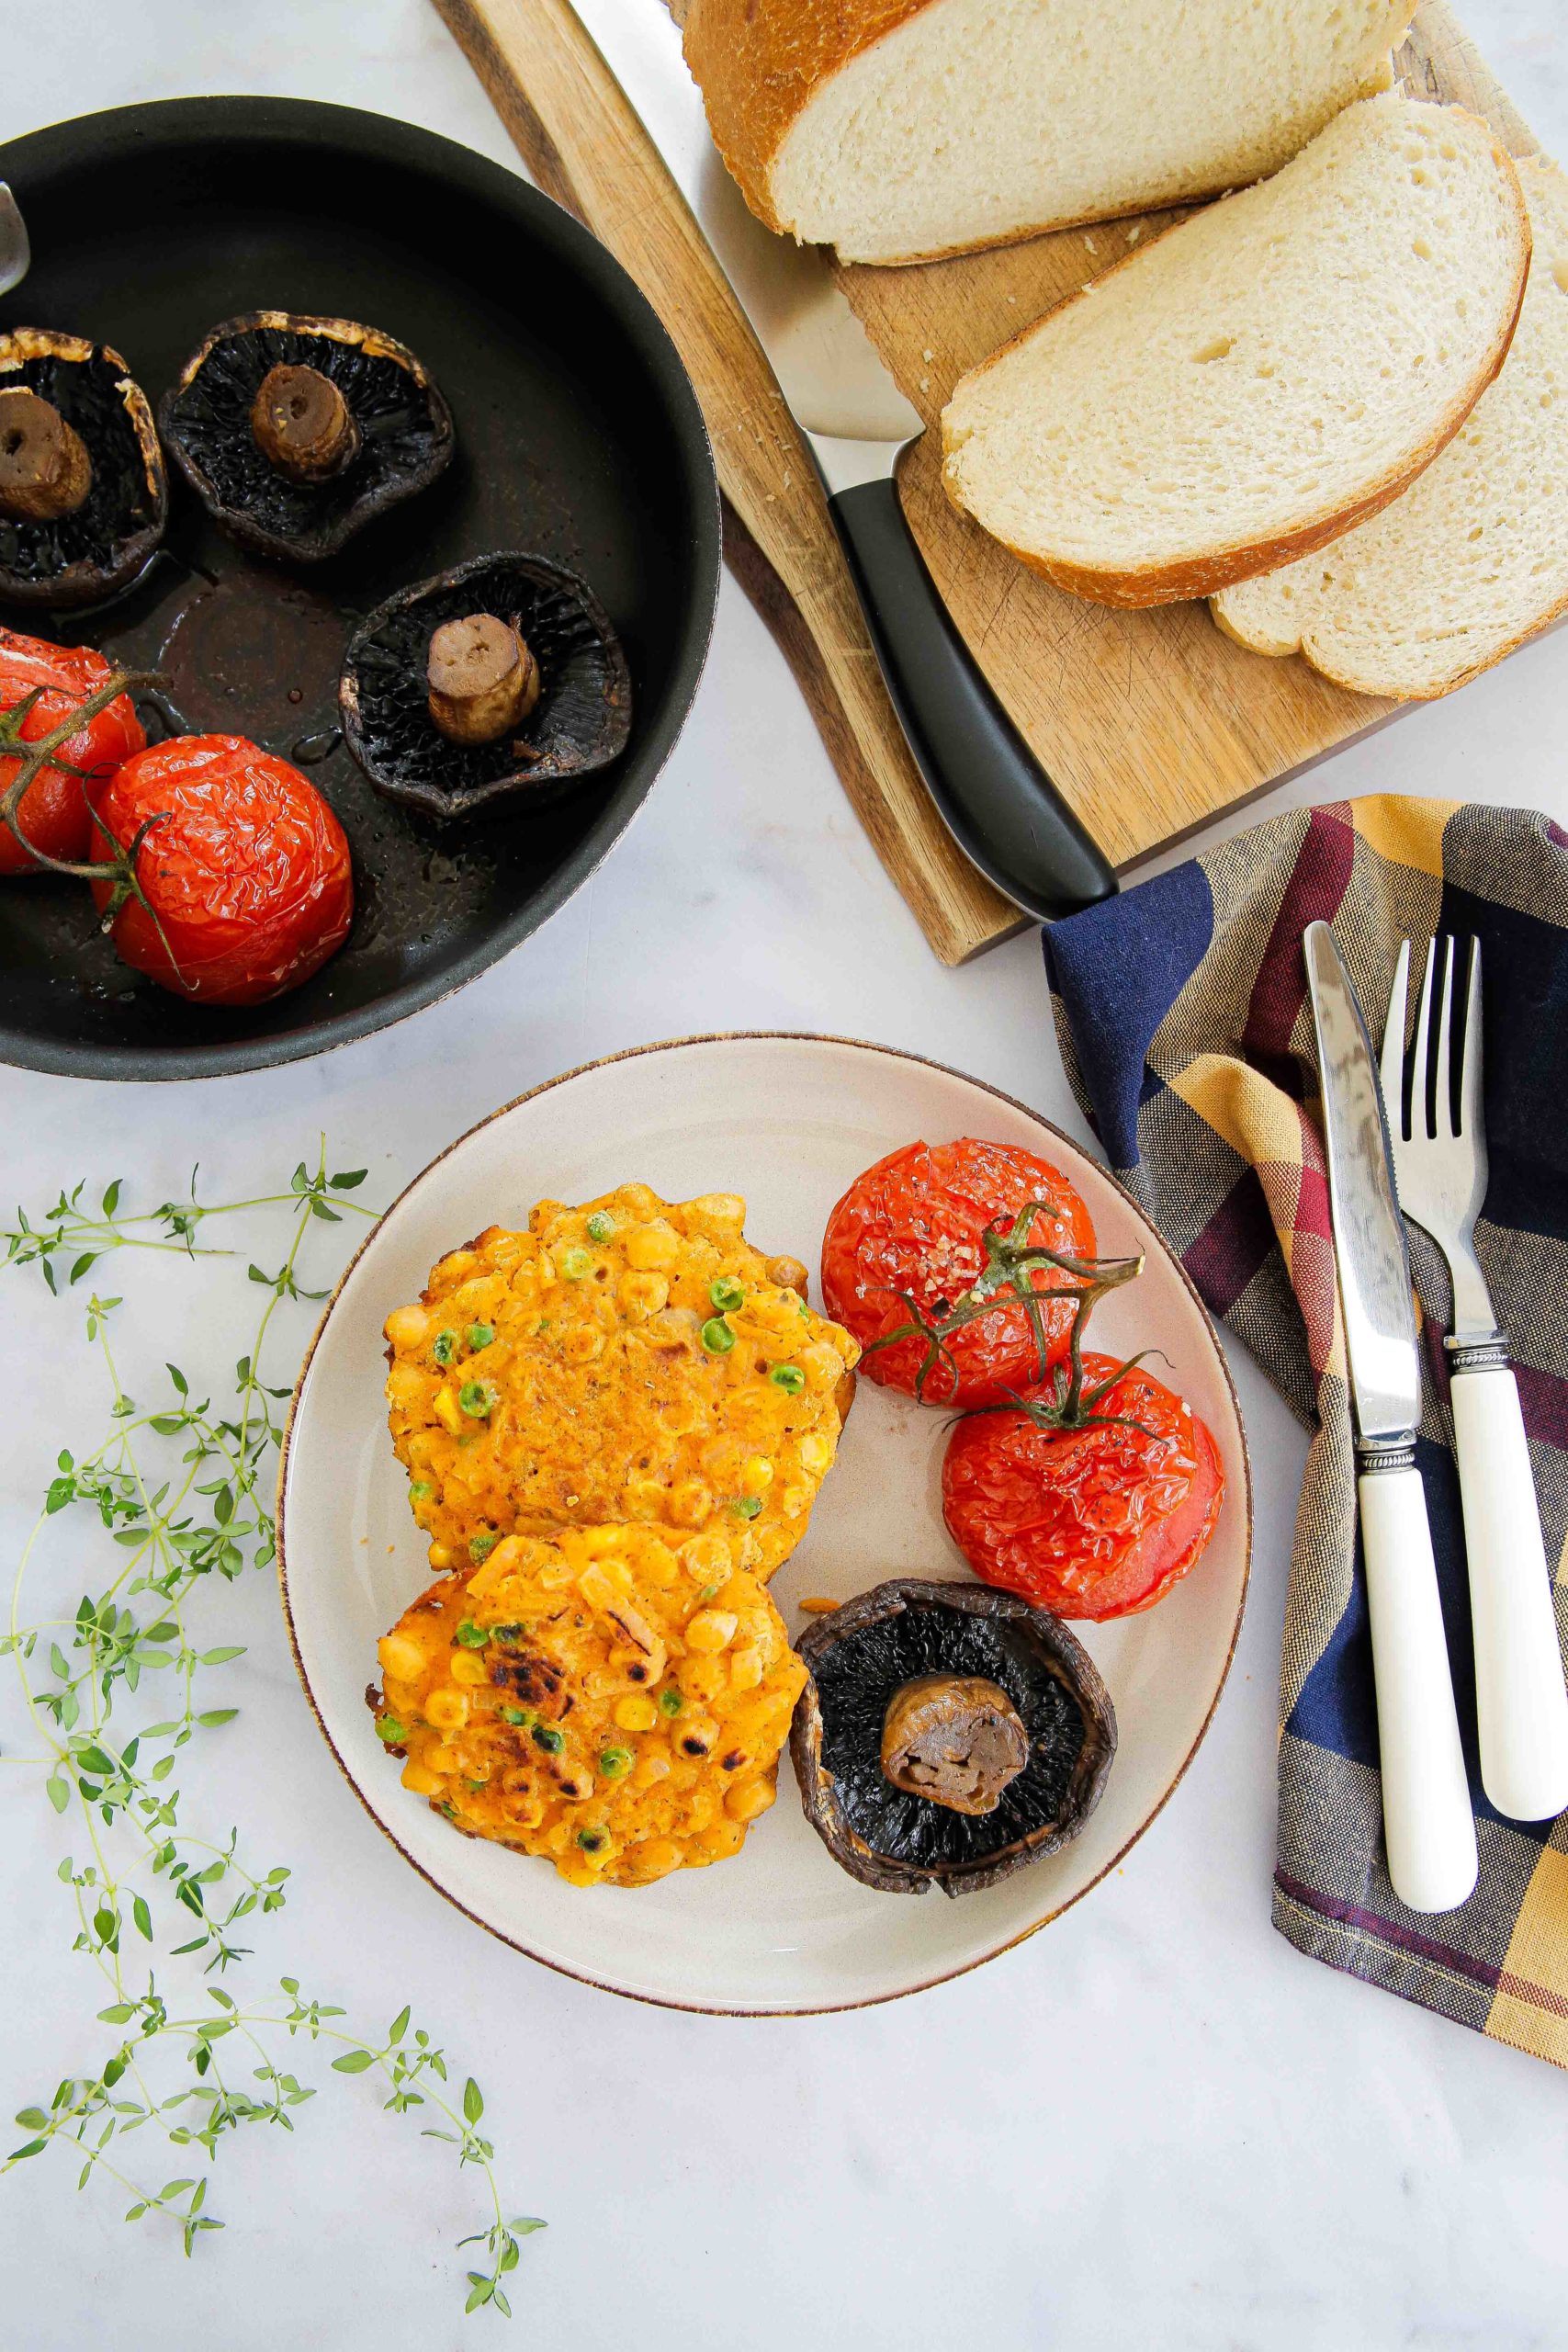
(991, 792)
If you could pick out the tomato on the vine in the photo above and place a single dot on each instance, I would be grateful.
(52, 815)
(906, 1250)
(1094, 1521)
(245, 872)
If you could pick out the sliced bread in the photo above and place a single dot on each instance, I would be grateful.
(1259, 378)
(1474, 556)
(902, 130)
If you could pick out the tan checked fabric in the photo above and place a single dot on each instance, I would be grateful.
(1187, 1034)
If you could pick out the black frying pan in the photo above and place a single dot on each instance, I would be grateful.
(579, 438)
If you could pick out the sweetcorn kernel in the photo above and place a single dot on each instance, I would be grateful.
(406, 1326)
(643, 1499)
(691, 1503)
(757, 1475)
(400, 1658)
(723, 1211)
(448, 1709)
(448, 1413)
(467, 1666)
(652, 1245)
(639, 1200)
(706, 1557)
(637, 1712)
(440, 1556)
(816, 1454)
(597, 1541)
(643, 1293)
(703, 1677)
(711, 1629)
(422, 1783)
(406, 1385)
(745, 1669)
(746, 1799)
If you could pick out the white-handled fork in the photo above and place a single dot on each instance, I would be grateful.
(1440, 1167)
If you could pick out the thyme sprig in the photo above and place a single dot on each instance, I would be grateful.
(1011, 1260)
(84, 1235)
(178, 1495)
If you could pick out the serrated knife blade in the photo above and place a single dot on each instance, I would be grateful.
(1369, 1232)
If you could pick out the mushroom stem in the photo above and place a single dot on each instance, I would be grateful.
(301, 424)
(482, 679)
(45, 470)
(956, 1739)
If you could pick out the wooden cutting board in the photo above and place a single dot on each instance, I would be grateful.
(1150, 723)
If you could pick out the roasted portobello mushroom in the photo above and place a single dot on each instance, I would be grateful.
(83, 496)
(950, 1733)
(295, 432)
(503, 678)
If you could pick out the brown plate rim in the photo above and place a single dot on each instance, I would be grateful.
(676, 1045)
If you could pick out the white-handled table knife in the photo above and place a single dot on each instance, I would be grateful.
(989, 789)
(1428, 1823)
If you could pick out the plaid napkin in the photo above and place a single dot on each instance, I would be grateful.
(1184, 1021)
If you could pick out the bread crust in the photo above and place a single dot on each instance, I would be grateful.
(1221, 567)
(1385, 691)
(758, 62)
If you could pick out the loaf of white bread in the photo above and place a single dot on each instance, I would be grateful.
(901, 130)
(1259, 378)
(1474, 557)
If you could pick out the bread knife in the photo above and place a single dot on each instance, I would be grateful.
(990, 791)
(1428, 1826)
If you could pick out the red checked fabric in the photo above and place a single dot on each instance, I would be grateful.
(1184, 1017)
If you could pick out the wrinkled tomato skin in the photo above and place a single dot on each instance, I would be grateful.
(247, 871)
(53, 813)
(913, 1223)
(1089, 1524)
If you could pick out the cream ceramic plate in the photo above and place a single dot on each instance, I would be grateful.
(787, 1122)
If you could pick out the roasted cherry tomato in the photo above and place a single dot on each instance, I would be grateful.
(53, 812)
(914, 1228)
(246, 871)
(1097, 1522)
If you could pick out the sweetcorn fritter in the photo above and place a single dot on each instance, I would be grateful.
(632, 1359)
(613, 1699)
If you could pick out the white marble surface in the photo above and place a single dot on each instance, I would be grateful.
(1154, 2124)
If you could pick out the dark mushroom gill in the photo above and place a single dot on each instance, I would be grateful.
(84, 555)
(403, 425)
(580, 721)
(863, 1654)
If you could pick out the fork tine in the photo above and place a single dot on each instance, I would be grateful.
(1420, 1091)
(1392, 1059)
(1469, 1072)
(1442, 1067)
